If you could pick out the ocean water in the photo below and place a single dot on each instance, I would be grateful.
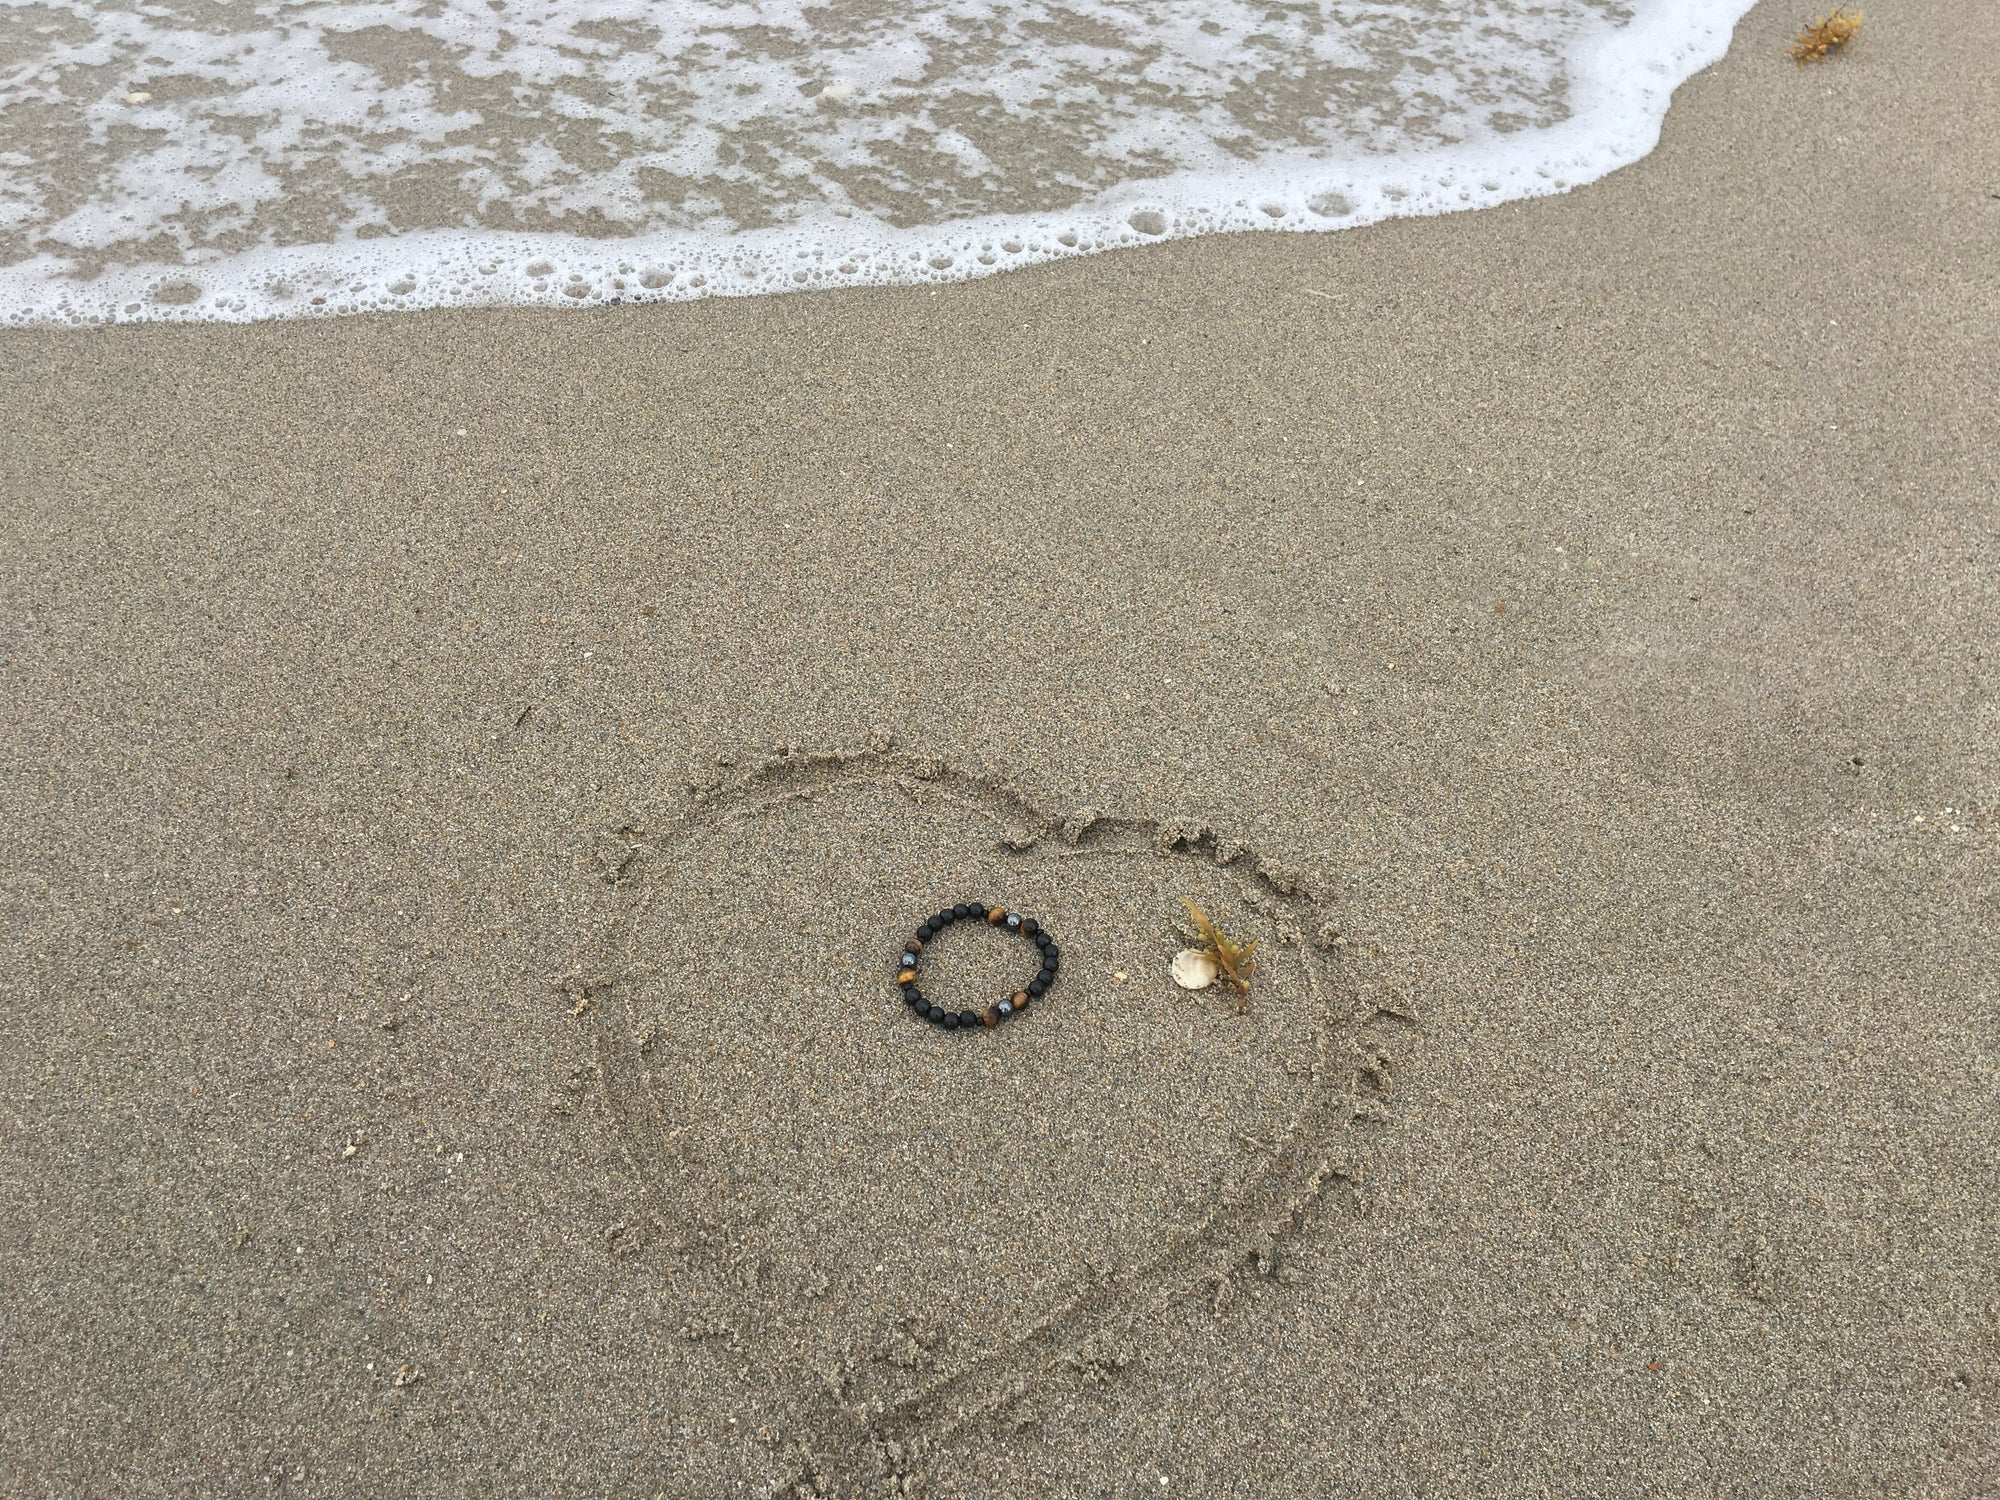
(239, 159)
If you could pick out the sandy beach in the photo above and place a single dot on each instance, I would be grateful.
(470, 776)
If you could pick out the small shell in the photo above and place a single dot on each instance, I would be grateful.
(1193, 969)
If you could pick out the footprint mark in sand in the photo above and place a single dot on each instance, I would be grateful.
(1263, 1114)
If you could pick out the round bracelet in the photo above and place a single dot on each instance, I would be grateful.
(993, 1015)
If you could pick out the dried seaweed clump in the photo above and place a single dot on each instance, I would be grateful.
(1829, 33)
(1233, 960)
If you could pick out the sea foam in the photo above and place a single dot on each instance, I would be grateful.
(192, 161)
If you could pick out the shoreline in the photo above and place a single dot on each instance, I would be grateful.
(1627, 78)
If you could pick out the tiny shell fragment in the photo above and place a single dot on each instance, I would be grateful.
(1193, 969)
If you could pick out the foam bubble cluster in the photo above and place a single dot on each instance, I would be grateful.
(178, 160)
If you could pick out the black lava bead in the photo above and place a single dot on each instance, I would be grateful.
(932, 1013)
(924, 933)
(1037, 986)
(961, 911)
(968, 1018)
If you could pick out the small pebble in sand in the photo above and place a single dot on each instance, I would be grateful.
(138, 96)
(1193, 969)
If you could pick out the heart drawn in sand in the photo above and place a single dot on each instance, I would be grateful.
(906, 1231)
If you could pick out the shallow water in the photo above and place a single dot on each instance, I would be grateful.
(192, 159)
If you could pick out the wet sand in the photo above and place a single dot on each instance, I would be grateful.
(472, 774)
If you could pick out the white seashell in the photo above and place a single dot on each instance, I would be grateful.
(1193, 969)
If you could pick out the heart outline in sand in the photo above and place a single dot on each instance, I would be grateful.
(836, 1444)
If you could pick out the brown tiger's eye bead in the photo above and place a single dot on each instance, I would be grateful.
(1029, 927)
(914, 945)
(906, 976)
(1020, 999)
(997, 915)
(990, 1016)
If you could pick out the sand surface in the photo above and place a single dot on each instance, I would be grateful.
(469, 777)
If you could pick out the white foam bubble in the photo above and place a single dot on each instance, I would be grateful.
(346, 158)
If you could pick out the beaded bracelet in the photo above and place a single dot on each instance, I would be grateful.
(993, 1015)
